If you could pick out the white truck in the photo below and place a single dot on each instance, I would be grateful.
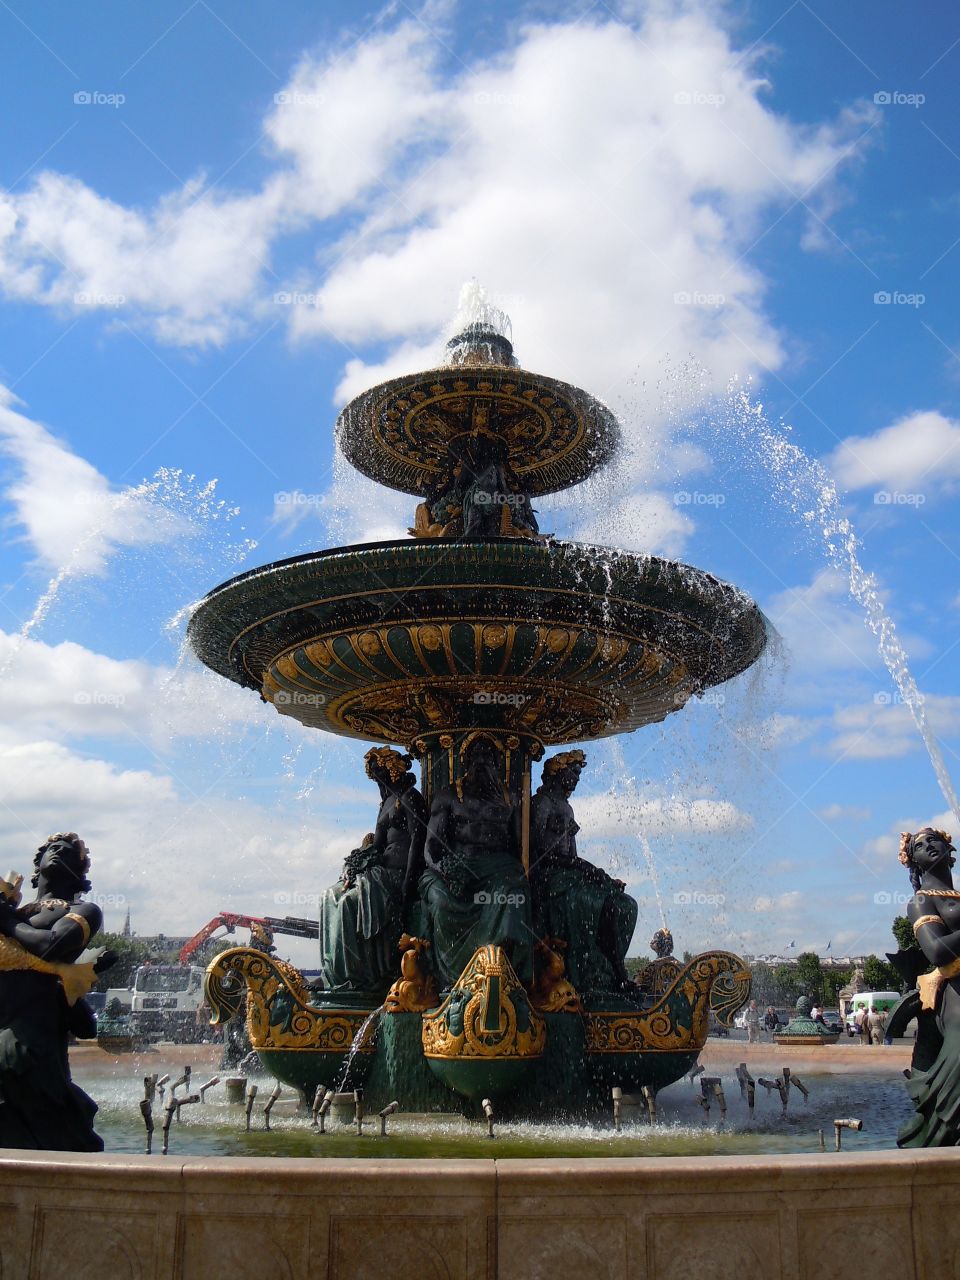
(165, 999)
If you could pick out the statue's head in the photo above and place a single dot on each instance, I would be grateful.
(481, 773)
(661, 944)
(804, 1007)
(564, 769)
(925, 850)
(385, 765)
(62, 862)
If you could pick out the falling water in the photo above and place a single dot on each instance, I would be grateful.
(805, 486)
(654, 878)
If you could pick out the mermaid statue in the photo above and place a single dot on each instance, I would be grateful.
(934, 911)
(41, 1001)
(362, 917)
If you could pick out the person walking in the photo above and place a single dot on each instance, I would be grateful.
(752, 1021)
(862, 1025)
(875, 1025)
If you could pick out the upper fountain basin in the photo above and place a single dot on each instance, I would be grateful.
(559, 641)
(399, 432)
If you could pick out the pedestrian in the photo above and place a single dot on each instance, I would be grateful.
(771, 1022)
(752, 1021)
(875, 1023)
(862, 1025)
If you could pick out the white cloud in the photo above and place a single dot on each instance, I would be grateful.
(825, 631)
(844, 813)
(630, 813)
(70, 513)
(917, 454)
(885, 729)
(495, 169)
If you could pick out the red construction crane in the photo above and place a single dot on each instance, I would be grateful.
(262, 930)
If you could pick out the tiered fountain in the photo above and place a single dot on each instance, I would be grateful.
(494, 952)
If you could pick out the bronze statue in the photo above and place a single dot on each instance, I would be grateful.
(934, 911)
(41, 1001)
(474, 891)
(576, 900)
(362, 917)
(478, 494)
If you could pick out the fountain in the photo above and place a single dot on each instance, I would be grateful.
(468, 952)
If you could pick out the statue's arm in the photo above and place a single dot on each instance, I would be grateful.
(61, 938)
(937, 942)
(416, 810)
(435, 844)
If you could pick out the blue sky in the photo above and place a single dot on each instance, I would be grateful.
(218, 222)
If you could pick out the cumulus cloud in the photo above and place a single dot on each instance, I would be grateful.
(885, 729)
(825, 634)
(70, 514)
(493, 169)
(918, 453)
(843, 813)
(630, 813)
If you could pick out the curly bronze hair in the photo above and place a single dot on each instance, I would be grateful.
(561, 761)
(72, 841)
(905, 856)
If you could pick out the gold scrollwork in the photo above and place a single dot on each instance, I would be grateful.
(278, 1013)
(717, 981)
(489, 1006)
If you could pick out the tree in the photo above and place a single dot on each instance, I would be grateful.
(879, 975)
(809, 976)
(132, 953)
(903, 932)
(833, 980)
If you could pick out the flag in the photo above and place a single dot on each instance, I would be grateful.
(791, 944)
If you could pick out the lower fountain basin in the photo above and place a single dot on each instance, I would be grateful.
(557, 640)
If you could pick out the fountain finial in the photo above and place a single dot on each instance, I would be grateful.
(481, 331)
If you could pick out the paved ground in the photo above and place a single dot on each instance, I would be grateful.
(844, 1056)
